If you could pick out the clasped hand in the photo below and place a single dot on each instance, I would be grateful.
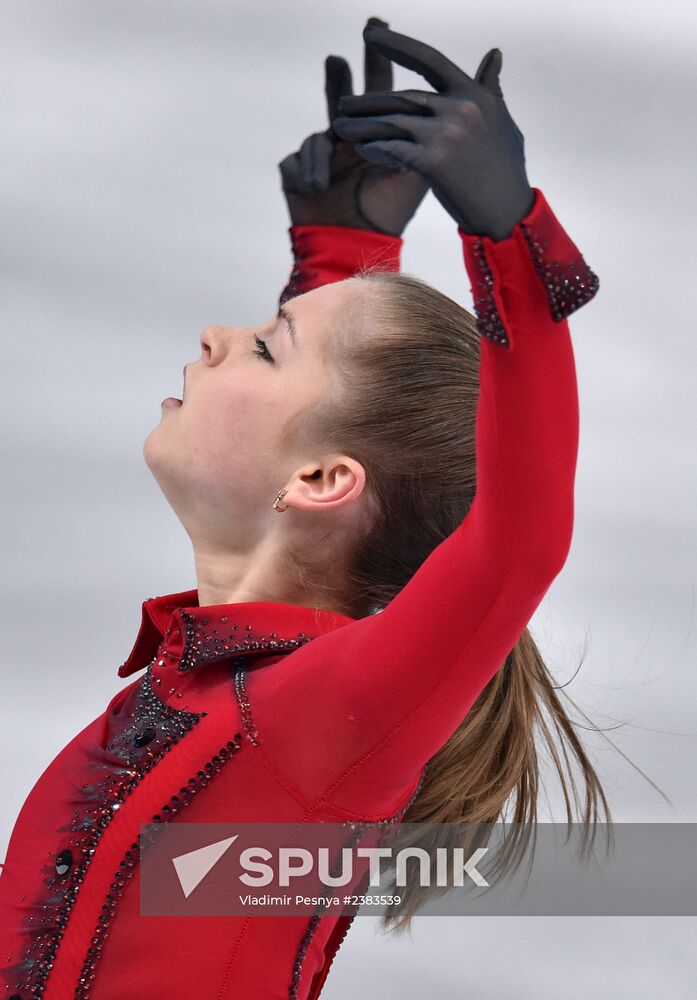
(461, 138)
(383, 149)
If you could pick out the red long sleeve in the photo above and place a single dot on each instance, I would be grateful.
(323, 254)
(388, 690)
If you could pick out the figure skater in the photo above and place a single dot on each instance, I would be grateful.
(378, 487)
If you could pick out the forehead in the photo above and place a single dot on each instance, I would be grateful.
(325, 300)
(322, 315)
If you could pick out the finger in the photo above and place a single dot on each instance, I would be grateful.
(391, 102)
(337, 83)
(314, 155)
(440, 72)
(324, 149)
(291, 179)
(488, 72)
(369, 129)
(377, 68)
(391, 153)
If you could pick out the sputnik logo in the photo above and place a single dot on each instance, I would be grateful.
(192, 867)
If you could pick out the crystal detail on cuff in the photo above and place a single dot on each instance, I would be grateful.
(569, 286)
(489, 321)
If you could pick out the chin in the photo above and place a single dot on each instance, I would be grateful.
(167, 473)
(149, 448)
(154, 451)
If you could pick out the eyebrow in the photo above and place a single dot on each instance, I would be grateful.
(290, 320)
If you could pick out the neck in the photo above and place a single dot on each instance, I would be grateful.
(264, 574)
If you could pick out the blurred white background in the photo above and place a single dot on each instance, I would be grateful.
(141, 202)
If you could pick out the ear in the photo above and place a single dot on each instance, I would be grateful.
(337, 481)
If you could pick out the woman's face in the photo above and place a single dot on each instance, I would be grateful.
(220, 450)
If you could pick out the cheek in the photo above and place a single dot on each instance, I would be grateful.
(242, 423)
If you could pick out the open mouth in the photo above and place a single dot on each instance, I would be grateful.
(172, 402)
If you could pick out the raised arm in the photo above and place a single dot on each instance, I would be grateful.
(391, 688)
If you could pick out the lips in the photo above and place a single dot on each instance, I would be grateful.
(172, 402)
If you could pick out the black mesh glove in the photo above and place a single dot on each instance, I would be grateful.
(462, 139)
(326, 182)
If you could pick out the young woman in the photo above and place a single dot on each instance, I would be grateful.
(378, 488)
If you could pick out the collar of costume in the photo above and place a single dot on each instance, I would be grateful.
(176, 628)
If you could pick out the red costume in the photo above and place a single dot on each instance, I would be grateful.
(268, 711)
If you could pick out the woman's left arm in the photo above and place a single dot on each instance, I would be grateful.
(388, 690)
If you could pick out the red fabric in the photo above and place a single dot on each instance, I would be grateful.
(324, 254)
(329, 718)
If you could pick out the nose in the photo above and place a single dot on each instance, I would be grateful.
(213, 344)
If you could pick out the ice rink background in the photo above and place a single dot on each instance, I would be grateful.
(140, 202)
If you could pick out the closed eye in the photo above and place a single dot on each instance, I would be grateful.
(262, 350)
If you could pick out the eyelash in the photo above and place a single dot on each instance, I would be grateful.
(262, 350)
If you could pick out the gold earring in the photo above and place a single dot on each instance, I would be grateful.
(279, 497)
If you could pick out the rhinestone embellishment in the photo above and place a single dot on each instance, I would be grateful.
(204, 644)
(64, 861)
(300, 279)
(250, 730)
(122, 768)
(569, 286)
(357, 827)
(489, 321)
(129, 864)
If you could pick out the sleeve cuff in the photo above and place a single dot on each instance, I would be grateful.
(324, 254)
(538, 249)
